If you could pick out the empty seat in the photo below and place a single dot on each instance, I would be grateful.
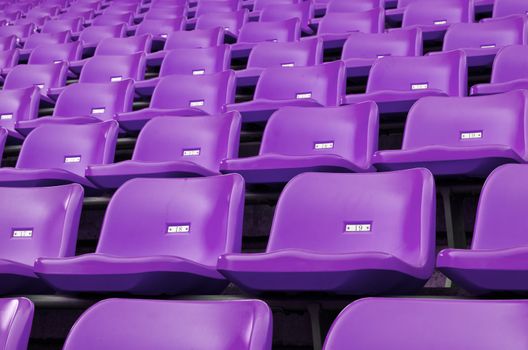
(395, 15)
(503, 8)
(361, 50)
(214, 7)
(175, 147)
(352, 6)
(60, 25)
(435, 16)
(92, 36)
(461, 135)
(335, 27)
(184, 95)
(209, 60)
(166, 11)
(314, 86)
(15, 105)
(414, 323)
(324, 139)
(308, 52)
(253, 33)
(8, 43)
(86, 103)
(18, 312)
(38, 39)
(304, 11)
(481, 41)
(8, 59)
(168, 324)
(257, 6)
(38, 222)
(395, 83)
(173, 245)
(21, 31)
(346, 234)
(496, 260)
(107, 19)
(67, 52)
(58, 154)
(160, 28)
(510, 71)
(86, 14)
(230, 21)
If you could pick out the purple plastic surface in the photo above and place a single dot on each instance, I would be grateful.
(16, 317)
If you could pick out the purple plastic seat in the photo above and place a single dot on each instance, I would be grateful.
(308, 52)
(315, 139)
(57, 53)
(314, 86)
(184, 95)
(165, 12)
(58, 154)
(8, 43)
(86, 14)
(38, 222)
(21, 32)
(253, 33)
(335, 27)
(434, 17)
(496, 260)
(113, 18)
(160, 28)
(189, 62)
(232, 22)
(16, 317)
(172, 248)
(510, 71)
(481, 41)
(257, 6)
(346, 234)
(83, 103)
(352, 6)
(214, 7)
(503, 8)
(92, 36)
(15, 105)
(413, 324)
(8, 59)
(396, 83)
(304, 11)
(38, 39)
(169, 324)
(60, 25)
(175, 147)
(468, 136)
(362, 50)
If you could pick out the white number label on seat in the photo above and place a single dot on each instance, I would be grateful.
(324, 145)
(470, 135)
(191, 152)
(22, 233)
(419, 86)
(358, 227)
(179, 228)
(303, 95)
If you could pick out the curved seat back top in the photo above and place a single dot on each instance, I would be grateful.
(438, 13)
(16, 318)
(503, 8)
(103, 68)
(55, 53)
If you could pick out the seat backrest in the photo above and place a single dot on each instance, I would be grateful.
(307, 52)
(124, 46)
(61, 25)
(39, 222)
(510, 63)
(205, 141)
(216, 6)
(198, 38)
(304, 11)
(18, 104)
(279, 31)
(160, 27)
(446, 72)
(502, 8)
(488, 34)
(164, 325)
(231, 21)
(43, 76)
(372, 21)
(178, 219)
(166, 12)
(406, 42)
(469, 121)
(18, 312)
(84, 13)
(8, 42)
(208, 93)
(37, 39)
(20, 31)
(353, 6)
(260, 4)
(391, 213)
(95, 34)
(196, 61)
(103, 69)
(56, 53)
(438, 12)
(348, 131)
(9, 58)
(463, 324)
(113, 18)
(324, 83)
(501, 222)
(100, 100)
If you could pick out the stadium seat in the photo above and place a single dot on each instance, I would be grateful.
(396, 83)
(481, 41)
(86, 14)
(59, 154)
(108, 19)
(361, 50)
(21, 32)
(314, 139)
(315, 86)
(510, 71)
(504, 8)
(160, 28)
(214, 7)
(230, 21)
(496, 260)
(184, 95)
(15, 105)
(465, 136)
(169, 324)
(175, 147)
(165, 12)
(173, 244)
(45, 54)
(43, 39)
(60, 25)
(301, 53)
(8, 59)
(8, 43)
(429, 324)
(36, 222)
(352, 6)
(304, 11)
(83, 103)
(202, 61)
(92, 36)
(257, 6)
(17, 317)
(346, 234)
